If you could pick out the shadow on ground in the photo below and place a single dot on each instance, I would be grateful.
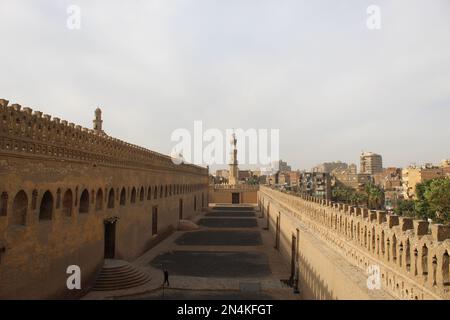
(228, 222)
(220, 238)
(214, 264)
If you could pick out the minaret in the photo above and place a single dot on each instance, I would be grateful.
(98, 121)
(234, 170)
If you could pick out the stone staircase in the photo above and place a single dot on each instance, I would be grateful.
(118, 275)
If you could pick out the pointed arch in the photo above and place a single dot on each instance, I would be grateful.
(84, 202)
(446, 269)
(19, 209)
(111, 198)
(67, 203)
(141, 194)
(46, 207)
(123, 197)
(99, 200)
(133, 195)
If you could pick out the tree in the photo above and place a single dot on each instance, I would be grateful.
(358, 198)
(405, 208)
(421, 205)
(437, 196)
(342, 193)
(348, 195)
(253, 180)
(433, 201)
(375, 196)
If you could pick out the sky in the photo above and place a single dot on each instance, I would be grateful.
(312, 69)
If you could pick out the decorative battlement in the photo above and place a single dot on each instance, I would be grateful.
(413, 255)
(238, 187)
(23, 130)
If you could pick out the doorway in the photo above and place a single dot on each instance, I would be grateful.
(110, 239)
(293, 256)
(268, 216)
(154, 220)
(235, 197)
(180, 209)
(277, 231)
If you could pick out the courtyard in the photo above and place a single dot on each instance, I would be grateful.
(230, 256)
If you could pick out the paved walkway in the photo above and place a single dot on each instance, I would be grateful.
(231, 256)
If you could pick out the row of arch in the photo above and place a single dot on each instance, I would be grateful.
(102, 198)
(416, 260)
(412, 259)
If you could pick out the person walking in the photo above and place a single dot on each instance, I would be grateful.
(166, 278)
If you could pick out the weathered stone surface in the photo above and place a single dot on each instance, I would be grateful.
(440, 232)
(412, 264)
(186, 225)
(60, 184)
(420, 227)
(406, 223)
(392, 220)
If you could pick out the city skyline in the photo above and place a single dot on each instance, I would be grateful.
(312, 70)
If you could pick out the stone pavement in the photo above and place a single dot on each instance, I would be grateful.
(222, 260)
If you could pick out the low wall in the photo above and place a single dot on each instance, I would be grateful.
(223, 194)
(336, 244)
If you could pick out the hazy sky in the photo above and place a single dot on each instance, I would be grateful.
(309, 68)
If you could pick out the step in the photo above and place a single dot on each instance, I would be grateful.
(119, 274)
(119, 286)
(123, 280)
(123, 283)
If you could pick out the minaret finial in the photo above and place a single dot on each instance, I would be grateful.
(234, 170)
(98, 122)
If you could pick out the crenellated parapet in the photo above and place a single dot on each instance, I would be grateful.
(412, 255)
(32, 133)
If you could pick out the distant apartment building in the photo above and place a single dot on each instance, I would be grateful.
(390, 179)
(349, 177)
(284, 178)
(294, 177)
(317, 184)
(445, 165)
(221, 176)
(352, 169)
(277, 176)
(244, 175)
(257, 173)
(263, 179)
(222, 173)
(329, 167)
(356, 181)
(282, 166)
(272, 179)
(370, 163)
(413, 175)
